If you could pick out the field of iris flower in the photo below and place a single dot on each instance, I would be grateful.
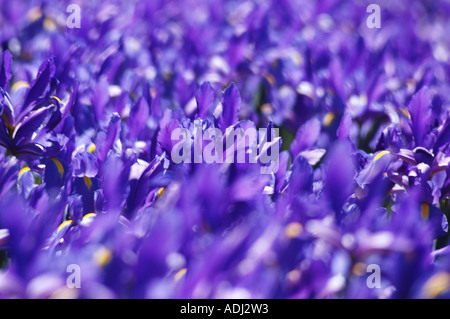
(353, 204)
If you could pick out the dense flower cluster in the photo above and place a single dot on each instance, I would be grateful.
(87, 179)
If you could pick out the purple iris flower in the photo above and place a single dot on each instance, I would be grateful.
(96, 203)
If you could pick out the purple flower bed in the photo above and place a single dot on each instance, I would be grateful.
(94, 204)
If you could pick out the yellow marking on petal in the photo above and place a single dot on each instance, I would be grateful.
(406, 112)
(56, 98)
(425, 211)
(359, 269)
(161, 191)
(59, 165)
(297, 58)
(379, 155)
(102, 256)
(329, 117)
(49, 24)
(411, 85)
(34, 14)
(67, 222)
(133, 95)
(293, 230)
(180, 274)
(293, 276)
(153, 92)
(267, 108)
(88, 182)
(269, 77)
(87, 219)
(19, 84)
(89, 215)
(91, 149)
(22, 171)
(438, 283)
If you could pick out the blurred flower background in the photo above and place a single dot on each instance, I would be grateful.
(86, 176)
